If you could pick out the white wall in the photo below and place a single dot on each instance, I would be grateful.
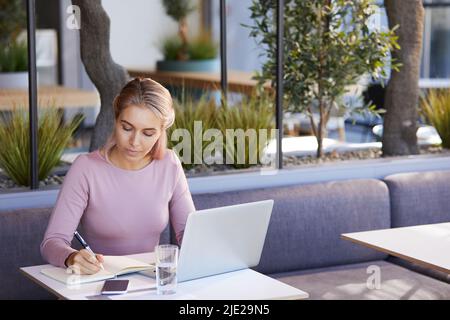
(138, 28)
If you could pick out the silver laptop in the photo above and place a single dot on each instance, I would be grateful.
(223, 239)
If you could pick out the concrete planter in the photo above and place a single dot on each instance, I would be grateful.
(11, 80)
(211, 65)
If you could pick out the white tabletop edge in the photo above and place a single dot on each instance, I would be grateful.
(33, 273)
(387, 241)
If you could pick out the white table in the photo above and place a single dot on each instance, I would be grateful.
(427, 245)
(244, 284)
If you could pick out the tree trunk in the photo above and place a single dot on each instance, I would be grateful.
(182, 32)
(320, 131)
(319, 138)
(402, 92)
(107, 76)
(324, 28)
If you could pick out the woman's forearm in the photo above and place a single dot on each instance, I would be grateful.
(56, 251)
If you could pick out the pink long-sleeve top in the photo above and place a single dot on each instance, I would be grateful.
(121, 211)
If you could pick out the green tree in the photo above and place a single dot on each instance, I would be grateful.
(13, 53)
(12, 20)
(328, 45)
(179, 10)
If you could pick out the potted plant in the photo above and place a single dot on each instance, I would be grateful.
(233, 134)
(53, 138)
(13, 53)
(180, 52)
(435, 109)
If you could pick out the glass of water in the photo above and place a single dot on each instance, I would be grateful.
(166, 268)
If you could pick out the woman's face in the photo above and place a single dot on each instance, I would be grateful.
(136, 131)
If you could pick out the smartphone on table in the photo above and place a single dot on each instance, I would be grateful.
(115, 287)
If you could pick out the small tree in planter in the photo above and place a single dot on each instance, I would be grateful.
(328, 45)
(12, 20)
(180, 52)
(179, 10)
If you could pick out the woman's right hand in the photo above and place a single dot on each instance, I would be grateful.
(82, 262)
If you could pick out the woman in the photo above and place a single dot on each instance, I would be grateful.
(124, 193)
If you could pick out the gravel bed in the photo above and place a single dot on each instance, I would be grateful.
(6, 184)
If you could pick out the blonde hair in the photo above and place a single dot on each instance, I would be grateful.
(148, 93)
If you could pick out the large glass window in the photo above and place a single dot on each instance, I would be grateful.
(436, 43)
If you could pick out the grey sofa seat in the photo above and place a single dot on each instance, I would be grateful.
(307, 221)
(21, 233)
(436, 274)
(350, 283)
(302, 243)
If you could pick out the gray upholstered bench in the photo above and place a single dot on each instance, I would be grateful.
(419, 198)
(21, 233)
(351, 282)
(303, 245)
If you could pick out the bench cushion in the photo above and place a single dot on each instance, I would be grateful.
(352, 282)
(307, 221)
(21, 233)
(419, 197)
(434, 273)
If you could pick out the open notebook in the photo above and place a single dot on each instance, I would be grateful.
(114, 266)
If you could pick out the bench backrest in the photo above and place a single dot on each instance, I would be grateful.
(419, 197)
(307, 221)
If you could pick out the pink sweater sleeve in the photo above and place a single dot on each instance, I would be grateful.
(181, 203)
(70, 205)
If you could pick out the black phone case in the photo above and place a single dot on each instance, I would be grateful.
(115, 286)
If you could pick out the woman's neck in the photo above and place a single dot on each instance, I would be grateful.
(118, 160)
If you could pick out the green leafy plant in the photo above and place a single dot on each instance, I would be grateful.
(13, 54)
(202, 48)
(199, 48)
(13, 57)
(254, 112)
(435, 107)
(187, 111)
(170, 48)
(328, 46)
(12, 20)
(53, 137)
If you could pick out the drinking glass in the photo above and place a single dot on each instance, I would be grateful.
(166, 268)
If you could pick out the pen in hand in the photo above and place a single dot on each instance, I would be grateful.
(86, 246)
